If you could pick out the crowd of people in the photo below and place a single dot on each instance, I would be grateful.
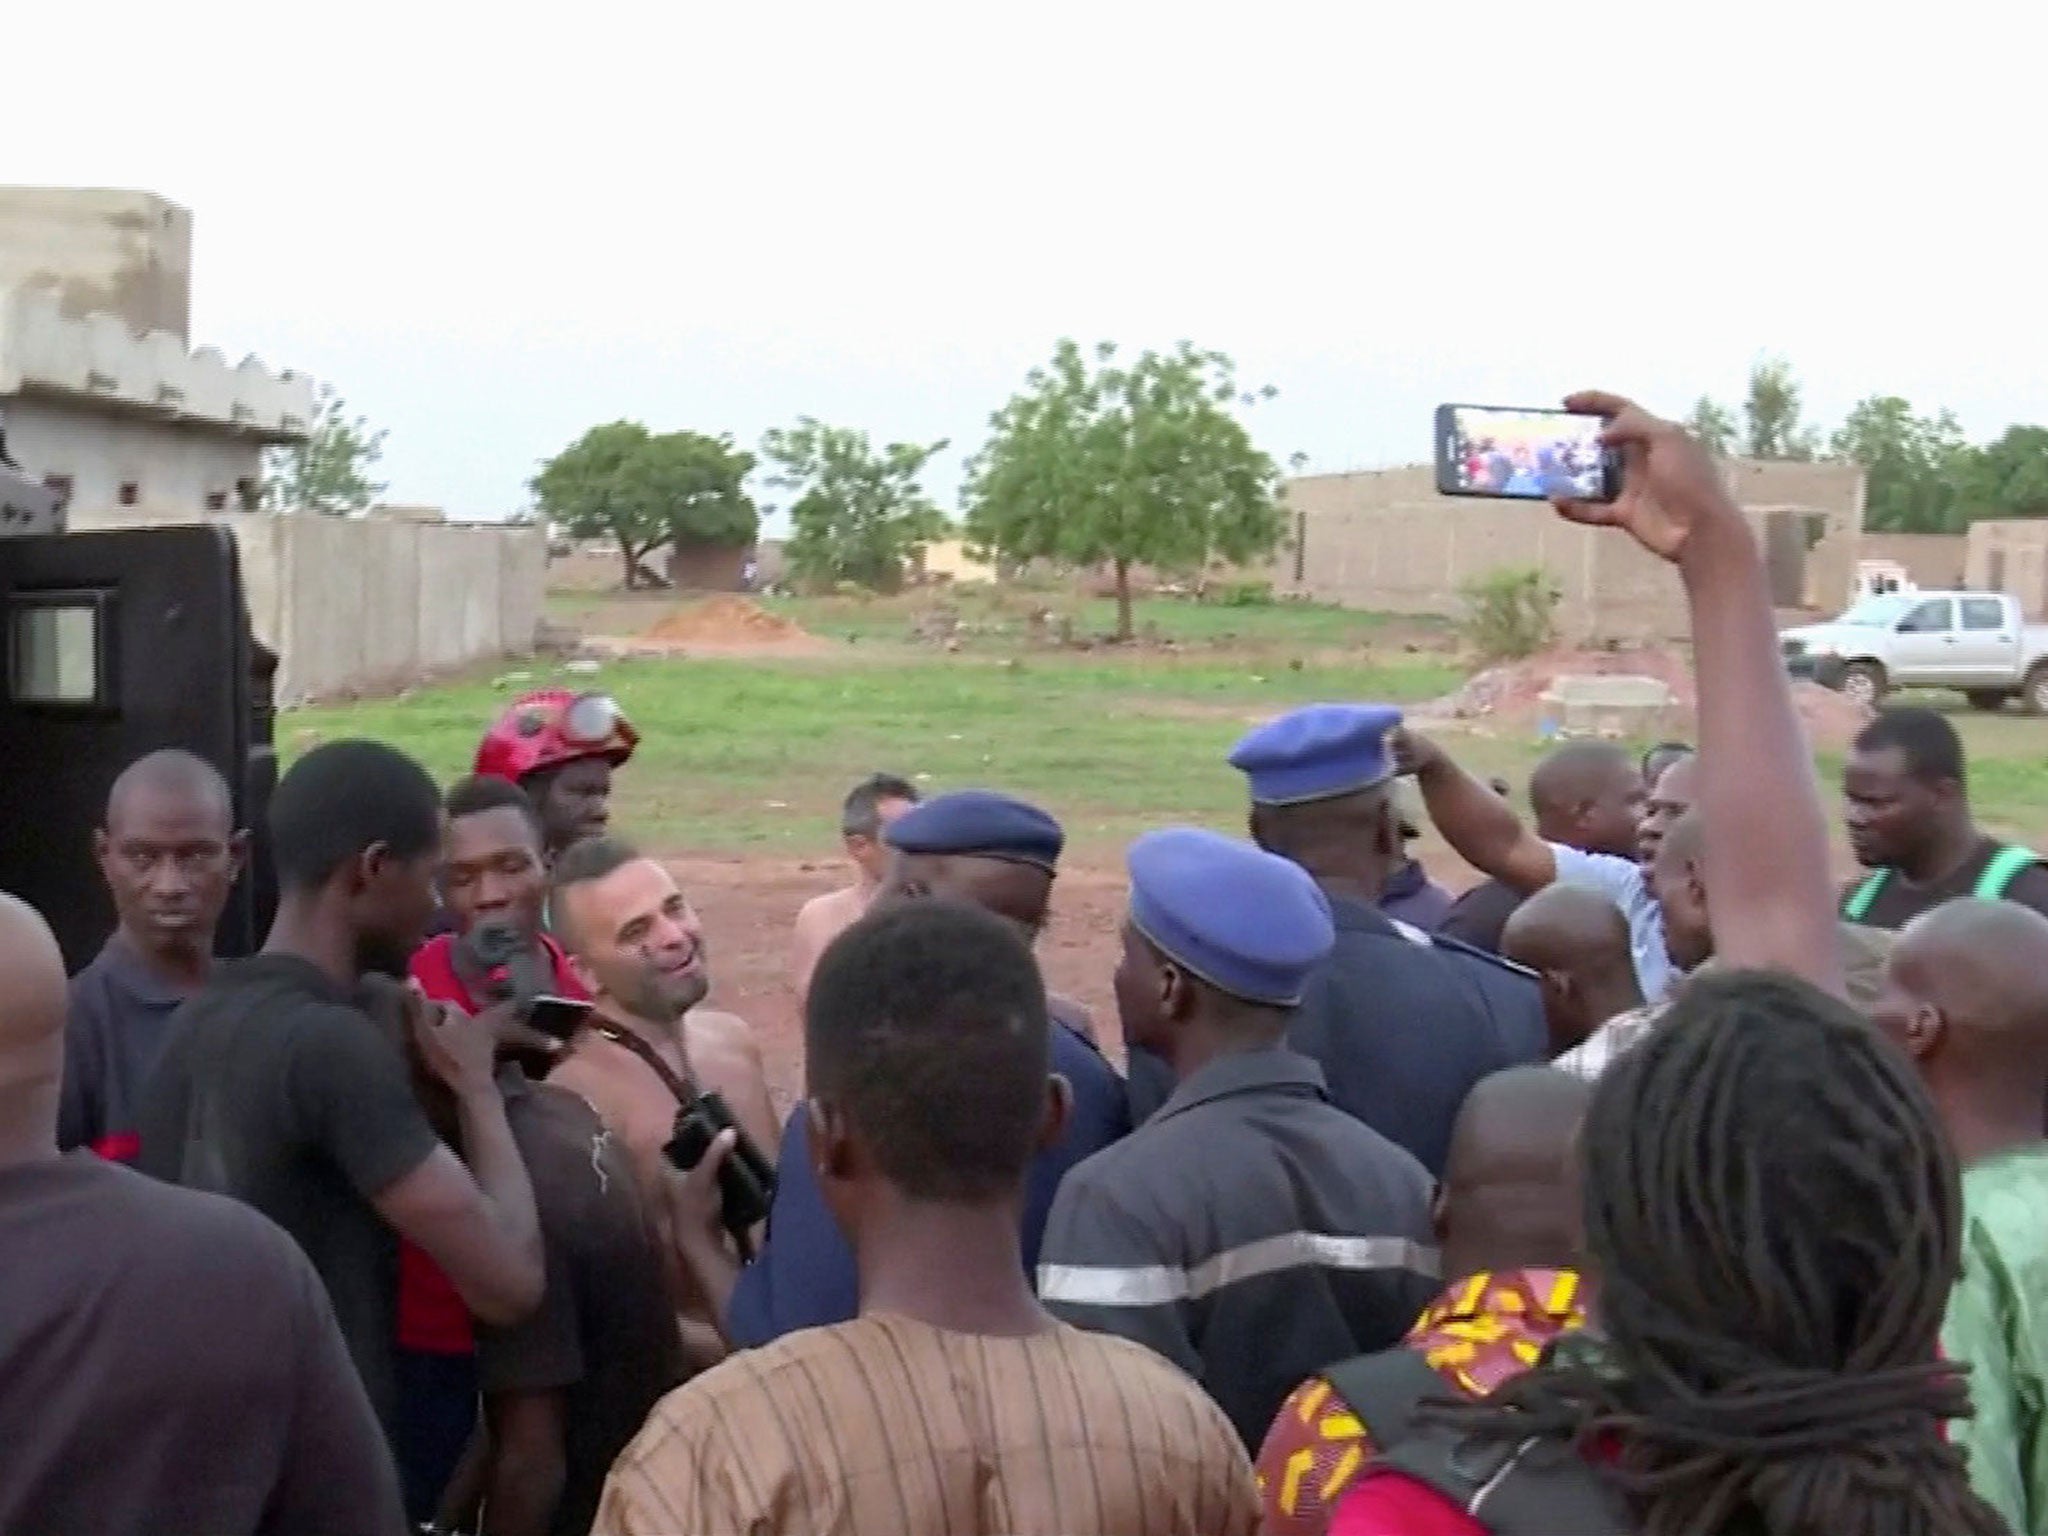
(1654, 1185)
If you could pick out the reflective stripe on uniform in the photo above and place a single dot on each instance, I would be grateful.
(1101, 1285)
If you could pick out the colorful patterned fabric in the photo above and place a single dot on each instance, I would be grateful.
(1480, 1332)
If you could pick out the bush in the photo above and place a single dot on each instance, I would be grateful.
(1510, 614)
(1240, 594)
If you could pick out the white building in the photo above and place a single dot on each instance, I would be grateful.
(103, 399)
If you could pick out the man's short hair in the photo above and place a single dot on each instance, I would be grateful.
(172, 770)
(590, 858)
(479, 793)
(1925, 738)
(342, 798)
(926, 1024)
(861, 816)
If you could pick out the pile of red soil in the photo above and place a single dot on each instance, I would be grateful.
(1511, 695)
(726, 619)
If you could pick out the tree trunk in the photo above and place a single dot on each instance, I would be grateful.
(632, 565)
(1124, 631)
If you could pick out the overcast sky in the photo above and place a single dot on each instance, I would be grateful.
(492, 227)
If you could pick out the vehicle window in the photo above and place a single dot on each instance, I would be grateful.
(1875, 612)
(1983, 613)
(1929, 618)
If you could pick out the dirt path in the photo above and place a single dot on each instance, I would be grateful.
(749, 907)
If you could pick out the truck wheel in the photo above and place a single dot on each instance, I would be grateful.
(1991, 701)
(2034, 695)
(1864, 682)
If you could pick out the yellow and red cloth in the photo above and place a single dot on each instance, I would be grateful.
(1481, 1331)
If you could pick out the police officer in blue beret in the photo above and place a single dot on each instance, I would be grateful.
(1403, 1023)
(1000, 854)
(1250, 1231)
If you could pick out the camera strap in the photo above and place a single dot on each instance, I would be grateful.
(685, 1093)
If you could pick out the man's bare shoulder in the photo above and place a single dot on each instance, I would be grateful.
(711, 1027)
(840, 906)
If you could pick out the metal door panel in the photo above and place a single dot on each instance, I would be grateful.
(119, 642)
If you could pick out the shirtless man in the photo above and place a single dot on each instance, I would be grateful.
(874, 803)
(636, 945)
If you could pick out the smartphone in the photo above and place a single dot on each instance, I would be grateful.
(1519, 454)
(560, 1017)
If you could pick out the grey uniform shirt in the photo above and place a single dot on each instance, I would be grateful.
(1251, 1232)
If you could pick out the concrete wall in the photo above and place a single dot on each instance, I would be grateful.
(129, 253)
(707, 567)
(1931, 559)
(1386, 540)
(370, 603)
(596, 566)
(174, 469)
(2011, 555)
(99, 363)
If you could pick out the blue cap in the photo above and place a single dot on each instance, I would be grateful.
(1317, 753)
(982, 823)
(1247, 922)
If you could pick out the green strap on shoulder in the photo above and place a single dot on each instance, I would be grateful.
(2004, 868)
(1864, 897)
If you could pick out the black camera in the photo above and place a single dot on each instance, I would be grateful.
(746, 1182)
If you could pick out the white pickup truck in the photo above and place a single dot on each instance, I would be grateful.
(1977, 643)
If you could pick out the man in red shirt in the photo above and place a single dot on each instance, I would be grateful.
(492, 873)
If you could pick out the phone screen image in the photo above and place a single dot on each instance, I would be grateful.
(1528, 455)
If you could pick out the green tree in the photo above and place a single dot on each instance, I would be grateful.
(2006, 478)
(859, 513)
(1772, 428)
(1911, 464)
(330, 471)
(1714, 425)
(697, 485)
(1146, 464)
(578, 490)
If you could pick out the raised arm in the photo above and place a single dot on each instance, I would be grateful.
(1766, 860)
(1480, 826)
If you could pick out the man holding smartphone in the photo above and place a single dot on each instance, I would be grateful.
(492, 874)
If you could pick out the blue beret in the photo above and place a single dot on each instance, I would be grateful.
(980, 822)
(1245, 921)
(1317, 753)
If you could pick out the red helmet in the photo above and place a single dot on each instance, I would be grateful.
(553, 726)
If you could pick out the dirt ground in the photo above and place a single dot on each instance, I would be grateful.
(749, 907)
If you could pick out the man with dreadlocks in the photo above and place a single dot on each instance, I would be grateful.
(1775, 1217)
(1966, 993)
(1765, 1372)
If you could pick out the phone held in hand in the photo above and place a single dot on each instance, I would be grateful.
(557, 1017)
(1516, 453)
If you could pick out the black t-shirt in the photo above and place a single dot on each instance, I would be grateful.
(120, 1016)
(1899, 900)
(274, 1089)
(605, 1335)
(169, 1363)
(1480, 915)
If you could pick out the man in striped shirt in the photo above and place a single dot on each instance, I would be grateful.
(953, 1404)
(1251, 1231)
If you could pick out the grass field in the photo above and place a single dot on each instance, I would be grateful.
(751, 753)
